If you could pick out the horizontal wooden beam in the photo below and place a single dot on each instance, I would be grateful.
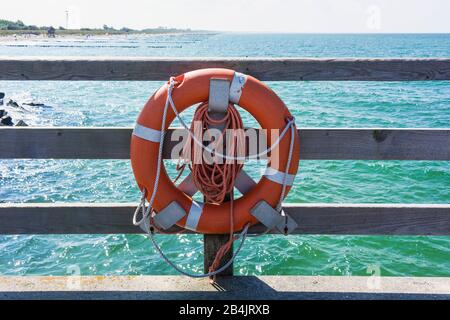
(353, 219)
(241, 287)
(266, 69)
(315, 143)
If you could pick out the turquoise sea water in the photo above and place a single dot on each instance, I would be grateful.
(315, 104)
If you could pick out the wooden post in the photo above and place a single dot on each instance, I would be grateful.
(218, 101)
(212, 243)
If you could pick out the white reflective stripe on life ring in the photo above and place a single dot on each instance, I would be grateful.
(278, 176)
(145, 133)
(237, 86)
(195, 212)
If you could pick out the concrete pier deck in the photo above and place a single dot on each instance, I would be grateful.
(237, 287)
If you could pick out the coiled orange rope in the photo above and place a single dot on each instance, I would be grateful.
(215, 179)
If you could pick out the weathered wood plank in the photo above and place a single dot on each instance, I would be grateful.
(241, 287)
(355, 219)
(375, 144)
(66, 143)
(266, 69)
(315, 143)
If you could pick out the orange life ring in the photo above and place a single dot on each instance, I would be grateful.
(193, 88)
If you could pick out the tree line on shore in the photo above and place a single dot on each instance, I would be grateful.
(18, 26)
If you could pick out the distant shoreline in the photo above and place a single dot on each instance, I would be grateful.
(17, 35)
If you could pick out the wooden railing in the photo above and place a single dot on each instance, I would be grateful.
(267, 69)
(316, 143)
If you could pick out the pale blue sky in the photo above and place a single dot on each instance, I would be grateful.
(240, 15)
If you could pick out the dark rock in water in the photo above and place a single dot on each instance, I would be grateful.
(32, 104)
(21, 123)
(13, 104)
(3, 113)
(6, 121)
(2, 95)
